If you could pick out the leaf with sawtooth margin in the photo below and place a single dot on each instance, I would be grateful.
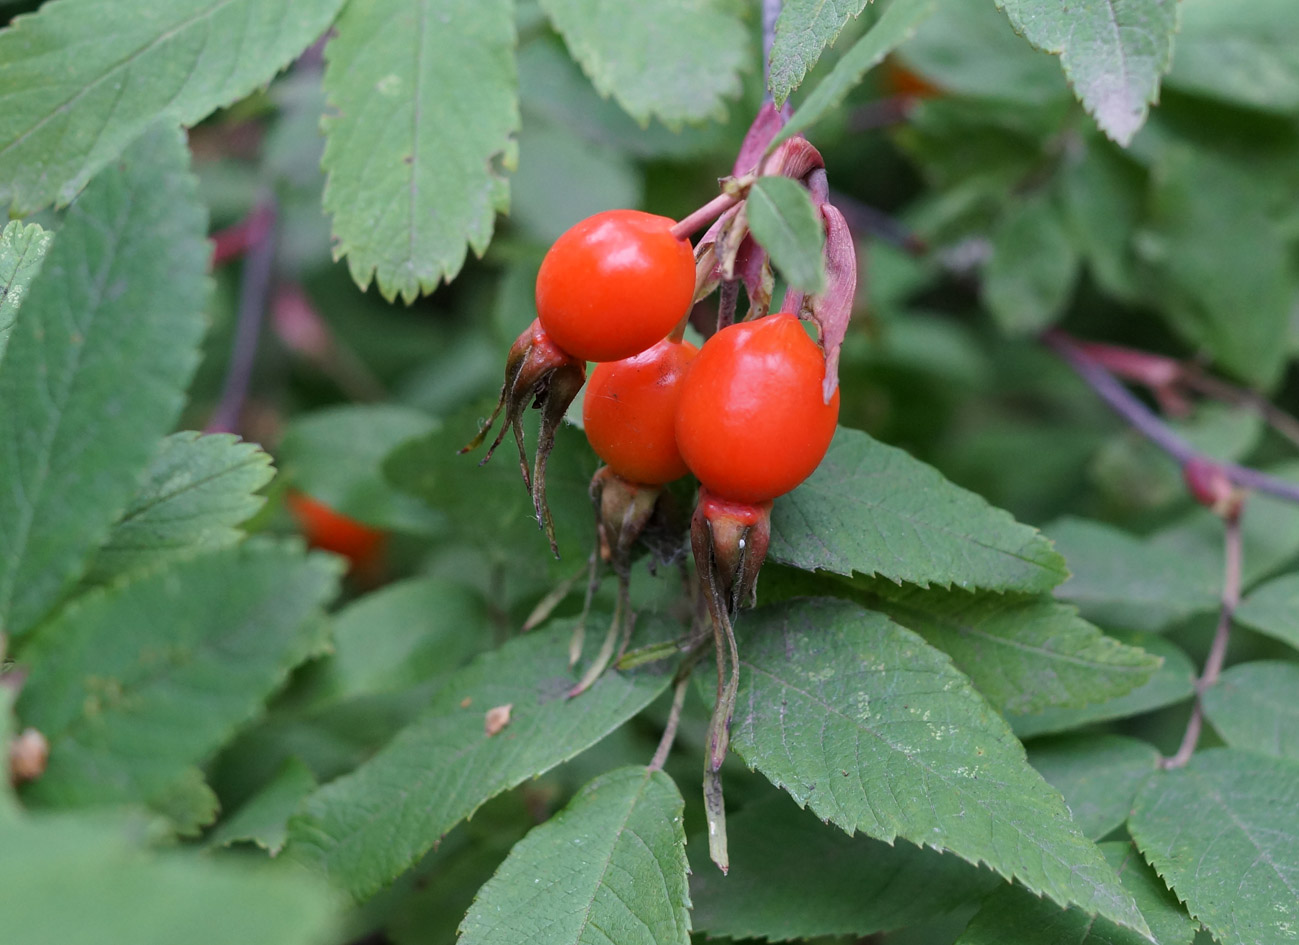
(864, 723)
(1112, 51)
(609, 867)
(674, 59)
(423, 104)
(369, 826)
(804, 29)
(97, 367)
(873, 509)
(1223, 832)
(84, 78)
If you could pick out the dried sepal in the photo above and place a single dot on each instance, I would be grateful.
(730, 541)
(831, 310)
(539, 374)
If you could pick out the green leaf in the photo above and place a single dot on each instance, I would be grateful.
(1023, 654)
(1172, 683)
(195, 493)
(1030, 278)
(1273, 609)
(1098, 775)
(1014, 917)
(367, 827)
(861, 721)
(96, 368)
(609, 867)
(1240, 51)
(804, 29)
(1223, 832)
(873, 509)
(138, 681)
(423, 100)
(970, 50)
(1103, 193)
(1214, 251)
(70, 878)
(489, 505)
(1253, 706)
(789, 228)
(794, 878)
(1119, 579)
(264, 819)
(86, 77)
(336, 456)
(400, 636)
(1113, 53)
(674, 59)
(898, 22)
(22, 249)
(188, 803)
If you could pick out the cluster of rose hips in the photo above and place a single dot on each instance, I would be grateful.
(750, 414)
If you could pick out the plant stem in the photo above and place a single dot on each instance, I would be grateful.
(1144, 421)
(770, 14)
(254, 293)
(1234, 554)
(705, 214)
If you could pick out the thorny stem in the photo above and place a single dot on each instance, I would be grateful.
(1234, 553)
(705, 214)
(1144, 421)
(254, 294)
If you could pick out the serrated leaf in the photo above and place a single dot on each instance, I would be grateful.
(1214, 251)
(71, 878)
(1023, 654)
(1113, 52)
(1122, 580)
(789, 228)
(1273, 609)
(873, 509)
(22, 249)
(86, 77)
(1253, 706)
(1240, 51)
(195, 492)
(860, 720)
(336, 456)
(1223, 832)
(264, 818)
(423, 103)
(803, 31)
(894, 27)
(136, 682)
(367, 827)
(1171, 683)
(96, 368)
(609, 867)
(677, 60)
(188, 803)
(1013, 917)
(1098, 775)
(1030, 278)
(795, 878)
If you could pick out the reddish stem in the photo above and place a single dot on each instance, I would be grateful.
(705, 215)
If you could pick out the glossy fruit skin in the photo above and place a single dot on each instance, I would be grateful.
(614, 284)
(630, 412)
(332, 531)
(752, 422)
